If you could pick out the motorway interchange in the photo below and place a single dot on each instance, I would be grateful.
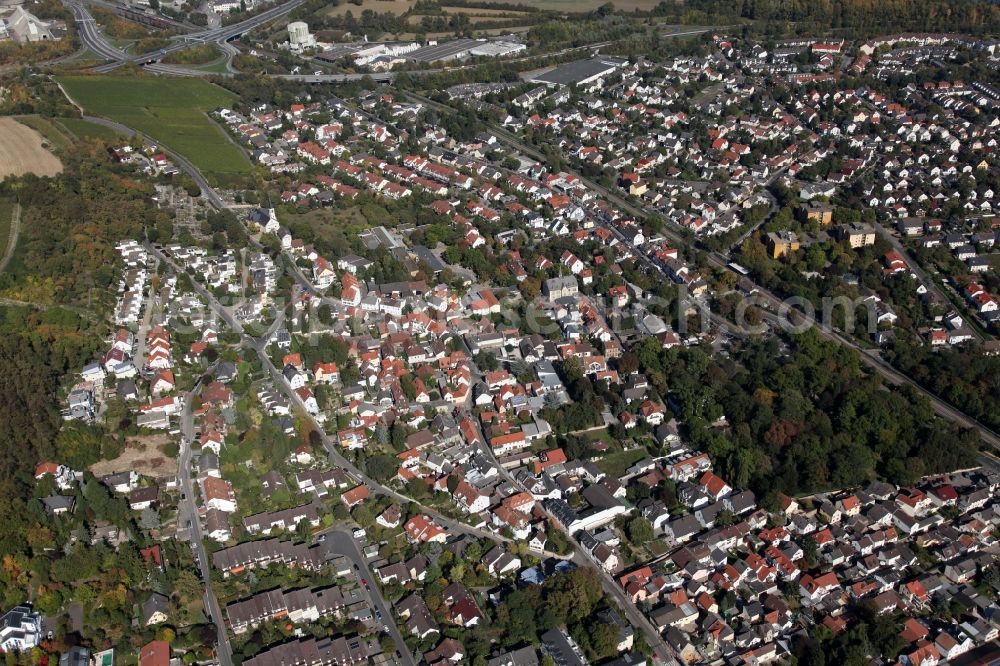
(94, 40)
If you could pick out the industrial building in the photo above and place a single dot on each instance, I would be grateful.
(580, 72)
(299, 38)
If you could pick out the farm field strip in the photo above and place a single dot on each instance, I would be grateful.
(21, 151)
(171, 111)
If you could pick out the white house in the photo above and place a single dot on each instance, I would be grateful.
(470, 499)
(218, 494)
(20, 629)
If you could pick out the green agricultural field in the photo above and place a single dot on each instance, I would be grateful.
(171, 111)
(84, 129)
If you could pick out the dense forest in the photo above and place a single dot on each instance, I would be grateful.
(865, 16)
(69, 227)
(65, 251)
(968, 379)
(803, 416)
(36, 348)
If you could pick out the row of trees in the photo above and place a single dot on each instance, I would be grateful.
(968, 379)
(868, 16)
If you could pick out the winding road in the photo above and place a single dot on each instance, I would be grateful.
(207, 190)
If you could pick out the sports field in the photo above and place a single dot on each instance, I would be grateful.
(21, 151)
(171, 111)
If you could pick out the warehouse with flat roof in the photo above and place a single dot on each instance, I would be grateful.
(580, 71)
(452, 50)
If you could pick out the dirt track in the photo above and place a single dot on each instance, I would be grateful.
(15, 230)
(144, 455)
(21, 151)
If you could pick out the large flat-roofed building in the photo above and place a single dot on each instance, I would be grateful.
(580, 72)
(451, 50)
(497, 48)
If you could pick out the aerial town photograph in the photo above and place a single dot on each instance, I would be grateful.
(499, 332)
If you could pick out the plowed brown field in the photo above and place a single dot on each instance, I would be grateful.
(21, 151)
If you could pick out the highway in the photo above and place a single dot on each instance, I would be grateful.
(129, 12)
(222, 36)
(93, 39)
(217, 36)
(91, 35)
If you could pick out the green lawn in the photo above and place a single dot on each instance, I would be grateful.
(171, 111)
(615, 464)
(216, 66)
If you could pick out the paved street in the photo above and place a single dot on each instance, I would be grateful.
(332, 448)
(188, 511)
(341, 541)
(917, 270)
(139, 358)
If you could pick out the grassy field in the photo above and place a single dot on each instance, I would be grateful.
(474, 21)
(475, 11)
(196, 55)
(171, 111)
(334, 225)
(217, 66)
(380, 6)
(615, 464)
(6, 211)
(85, 129)
(53, 134)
